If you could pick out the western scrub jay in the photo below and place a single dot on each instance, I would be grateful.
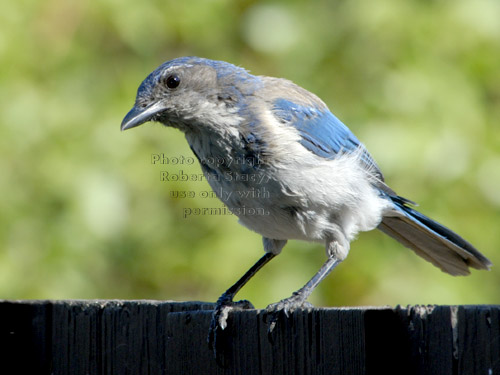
(321, 183)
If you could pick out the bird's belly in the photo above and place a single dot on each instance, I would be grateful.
(260, 205)
(272, 208)
(271, 212)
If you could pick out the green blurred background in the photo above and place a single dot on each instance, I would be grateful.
(83, 211)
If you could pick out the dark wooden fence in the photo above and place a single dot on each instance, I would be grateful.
(152, 337)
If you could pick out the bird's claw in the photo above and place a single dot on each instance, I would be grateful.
(286, 306)
(219, 320)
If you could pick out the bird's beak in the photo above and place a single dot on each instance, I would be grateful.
(138, 116)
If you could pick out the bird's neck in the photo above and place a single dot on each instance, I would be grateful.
(213, 148)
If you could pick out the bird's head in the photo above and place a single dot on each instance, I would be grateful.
(191, 92)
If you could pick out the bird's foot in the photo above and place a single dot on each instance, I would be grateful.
(286, 306)
(224, 305)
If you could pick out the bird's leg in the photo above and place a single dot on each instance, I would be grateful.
(299, 298)
(225, 302)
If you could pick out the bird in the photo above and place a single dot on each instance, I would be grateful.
(252, 132)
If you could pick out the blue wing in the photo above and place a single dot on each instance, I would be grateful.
(322, 133)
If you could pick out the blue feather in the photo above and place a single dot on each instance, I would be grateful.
(322, 132)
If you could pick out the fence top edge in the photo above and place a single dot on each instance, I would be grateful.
(201, 305)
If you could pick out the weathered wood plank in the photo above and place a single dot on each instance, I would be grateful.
(152, 337)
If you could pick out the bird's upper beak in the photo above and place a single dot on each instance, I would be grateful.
(138, 115)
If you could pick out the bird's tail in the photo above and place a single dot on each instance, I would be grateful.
(431, 240)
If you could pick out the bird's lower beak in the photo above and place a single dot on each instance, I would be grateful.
(138, 116)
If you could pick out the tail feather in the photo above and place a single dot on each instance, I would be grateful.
(431, 240)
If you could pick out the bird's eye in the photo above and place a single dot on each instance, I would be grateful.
(173, 81)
